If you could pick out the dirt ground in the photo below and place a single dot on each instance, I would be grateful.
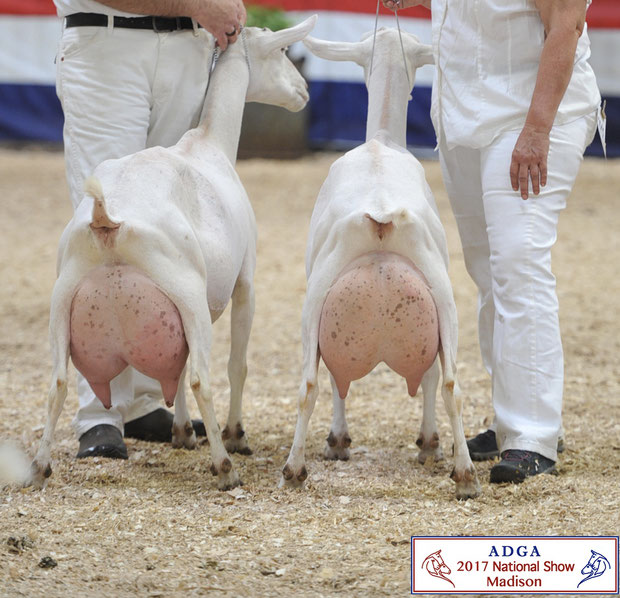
(155, 525)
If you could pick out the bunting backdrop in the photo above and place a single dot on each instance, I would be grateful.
(30, 29)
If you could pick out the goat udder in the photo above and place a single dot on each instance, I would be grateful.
(119, 317)
(374, 312)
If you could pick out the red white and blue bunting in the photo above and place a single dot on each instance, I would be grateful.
(30, 30)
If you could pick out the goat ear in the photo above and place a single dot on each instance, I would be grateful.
(334, 50)
(286, 37)
(424, 55)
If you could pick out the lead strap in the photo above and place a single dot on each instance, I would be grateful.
(374, 39)
(400, 36)
(402, 47)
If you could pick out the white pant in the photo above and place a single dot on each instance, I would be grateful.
(507, 249)
(123, 90)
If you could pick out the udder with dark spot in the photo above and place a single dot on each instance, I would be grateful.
(379, 309)
(119, 317)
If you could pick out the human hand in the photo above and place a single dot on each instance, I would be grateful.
(222, 18)
(529, 160)
(400, 4)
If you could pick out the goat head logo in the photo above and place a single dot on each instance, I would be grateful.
(436, 567)
(595, 567)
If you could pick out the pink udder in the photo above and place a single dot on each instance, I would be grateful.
(119, 318)
(379, 309)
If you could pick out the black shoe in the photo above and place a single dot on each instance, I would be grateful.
(103, 440)
(483, 446)
(517, 465)
(157, 426)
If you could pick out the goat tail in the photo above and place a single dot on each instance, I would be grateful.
(101, 224)
(383, 223)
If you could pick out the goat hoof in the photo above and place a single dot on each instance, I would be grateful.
(429, 448)
(235, 440)
(240, 445)
(39, 473)
(227, 481)
(336, 454)
(292, 478)
(183, 436)
(337, 448)
(467, 485)
(435, 453)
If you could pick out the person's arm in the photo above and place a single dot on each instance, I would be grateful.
(218, 17)
(400, 4)
(563, 21)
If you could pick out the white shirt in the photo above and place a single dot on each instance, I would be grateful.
(68, 7)
(487, 55)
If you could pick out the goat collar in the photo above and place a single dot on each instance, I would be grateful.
(244, 39)
(217, 53)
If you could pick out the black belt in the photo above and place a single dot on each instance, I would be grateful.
(91, 19)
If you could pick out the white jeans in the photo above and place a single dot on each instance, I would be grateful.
(123, 90)
(507, 249)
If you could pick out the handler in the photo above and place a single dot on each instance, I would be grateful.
(126, 82)
(514, 106)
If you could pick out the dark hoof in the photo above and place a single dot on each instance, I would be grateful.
(467, 485)
(225, 467)
(292, 478)
(183, 436)
(235, 440)
(245, 451)
(430, 448)
(287, 472)
(337, 448)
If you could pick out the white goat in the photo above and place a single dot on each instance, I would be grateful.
(376, 263)
(157, 247)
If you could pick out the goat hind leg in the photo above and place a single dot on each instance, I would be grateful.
(464, 473)
(222, 466)
(338, 441)
(183, 434)
(428, 440)
(294, 473)
(242, 313)
(197, 324)
(196, 317)
(194, 310)
(41, 468)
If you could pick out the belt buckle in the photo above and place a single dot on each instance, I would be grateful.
(168, 27)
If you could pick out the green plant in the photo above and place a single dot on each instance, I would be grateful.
(267, 16)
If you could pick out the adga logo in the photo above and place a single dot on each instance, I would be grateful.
(595, 567)
(435, 566)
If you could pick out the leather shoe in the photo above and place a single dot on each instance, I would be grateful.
(157, 426)
(102, 440)
(517, 465)
(483, 447)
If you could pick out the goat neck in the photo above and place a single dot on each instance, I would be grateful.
(225, 101)
(388, 95)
